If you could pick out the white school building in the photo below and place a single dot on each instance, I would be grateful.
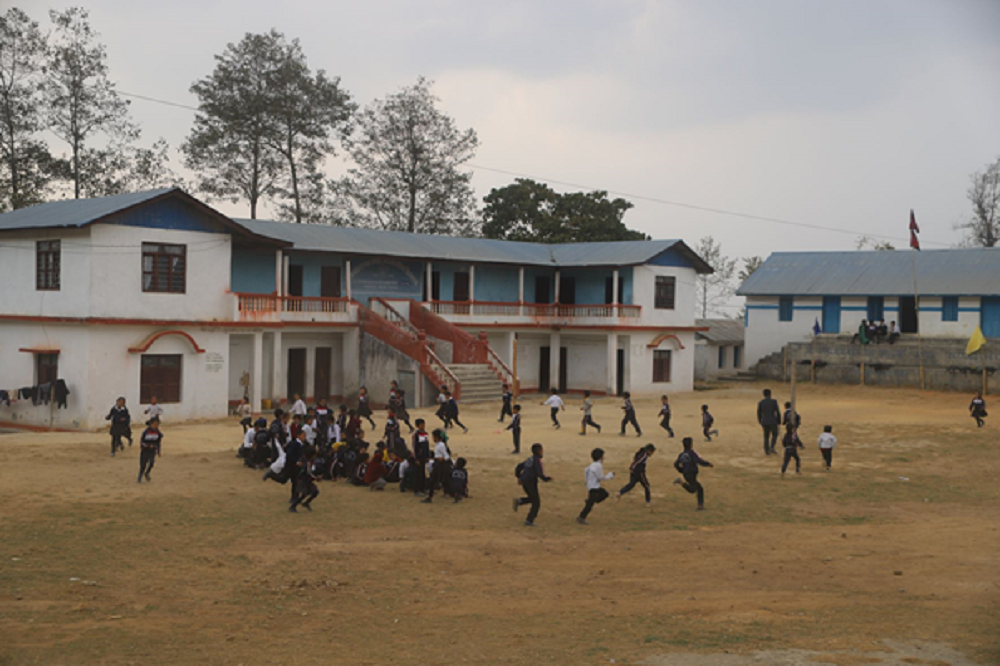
(956, 291)
(156, 293)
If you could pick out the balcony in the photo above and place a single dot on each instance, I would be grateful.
(549, 314)
(268, 308)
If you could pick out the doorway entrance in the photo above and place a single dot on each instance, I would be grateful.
(296, 373)
(321, 373)
(908, 314)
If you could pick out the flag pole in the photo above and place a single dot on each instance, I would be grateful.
(916, 307)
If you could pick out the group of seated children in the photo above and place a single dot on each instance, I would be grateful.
(318, 445)
(869, 331)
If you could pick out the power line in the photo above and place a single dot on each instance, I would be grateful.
(640, 197)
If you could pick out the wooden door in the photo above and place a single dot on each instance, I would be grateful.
(329, 282)
(461, 287)
(562, 370)
(908, 314)
(567, 291)
(544, 358)
(294, 280)
(543, 287)
(296, 373)
(620, 372)
(321, 373)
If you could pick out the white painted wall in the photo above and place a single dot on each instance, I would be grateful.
(116, 278)
(644, 292)
(764, 334)
(587, 361)
(640, 379)
(17, 258)
(931, 322)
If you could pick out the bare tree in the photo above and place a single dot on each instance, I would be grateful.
(866, 242)
(407, 173)
(983, 228)
(714, 289)
(750, 264)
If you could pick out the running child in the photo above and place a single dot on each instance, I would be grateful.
(149, 443)
(506, 409)
(977, 410)
(364, 408)
(588, 417)
(453, 411)
(515, 429)
(637, 473)
(791, 417)
(397, 398)
(121, 426)
(707, 421)
(555, 403)
(154, 411)
(792, 444)
(305, 490)
(629, 415)
(593, 475)
(665, 415)
(441, 471)
(529, 473)
(687, 464)
(442, 410)
(826, 442)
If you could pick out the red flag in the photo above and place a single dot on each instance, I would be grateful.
(914, 229)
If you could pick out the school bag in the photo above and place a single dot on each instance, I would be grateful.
(519, 469)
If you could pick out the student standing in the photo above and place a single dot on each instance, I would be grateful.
(459, 485)
(588, 417)
(687, 464)
(442, 410)
(442, 466)
(245, 412)
(792, 444)
(392, 431)
(665, 415)
(707, 421)
(298, 406)
(555, 403)
(364, 408)
(121, 425)
(506, 409)
(453, 411)
(637, 473)
(593, 475)
(149, 444)
(629, 415)
(421, 454)
(532, 472)
(791, 417)
(515, 429)
(977, 409)
(154, 411)
(826, 442)
(769, 417)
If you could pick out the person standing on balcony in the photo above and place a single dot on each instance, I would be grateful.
(515, 429)
(508, 401)
(588, 417)
(364, 408)
(629, 416)
(452, 411)
(555, 403)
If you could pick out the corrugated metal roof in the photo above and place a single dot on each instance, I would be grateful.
(73, 212)
(957, 272)
(722, 331)
(351, 240)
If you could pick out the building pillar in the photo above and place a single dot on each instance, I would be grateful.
(278, 272)
(257, 371)
(555, 295)
(277, 369)
(554, 347)
(310, 375)
(520, 290)
(284, 276)
(350, 363)
(430, 281)
(612, 386)
(347, 278)
(614, 287)
(508, 349)
(472, 283)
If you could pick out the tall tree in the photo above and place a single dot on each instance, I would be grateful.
(983, 228)
(714, 289)
(26, 165)
(407, 174)
(120, 168)
(530, 211)
(81, 101)
(750, 264)
(306, 110)
(231, 145)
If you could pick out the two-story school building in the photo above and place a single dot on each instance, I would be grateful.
(156, 293)
(940, 293)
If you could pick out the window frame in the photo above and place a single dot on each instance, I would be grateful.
(737, 349)
(949, 308)
(786, 308)
(669, 296)
(155, 384)
(875, 308)
(154, 250)
(46, 361)
(662, 357)
(722, 357)
(48, 265)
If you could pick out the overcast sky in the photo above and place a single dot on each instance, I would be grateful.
(842, 113)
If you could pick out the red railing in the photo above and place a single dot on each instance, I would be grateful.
(466, 348)
(250, 306)
(392, 315)
(500, 309)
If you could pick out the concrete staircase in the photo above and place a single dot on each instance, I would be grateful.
(479, 382)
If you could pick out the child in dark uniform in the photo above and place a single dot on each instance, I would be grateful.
(637, 473)
(391, 429)
(977, 409)
(364, 408)
(452, 408)
(515, 428)
(397, 398)
(506, 409)
(665, 415)
(305, 483)
(629, 416)
(792, 444)
(531, 472)
(707, 421)
(459, 486)
(149, 445)
(121, 425)
(687, 464)
(421, 454)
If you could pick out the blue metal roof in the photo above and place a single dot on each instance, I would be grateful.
(957, 272)
(74, 212)
(352, 240)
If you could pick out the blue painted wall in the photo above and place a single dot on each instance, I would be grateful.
(625, 275)
(670, 258)
(387, 278)
(497, 283)
(312, 264)
(253, 271)
(170, 213)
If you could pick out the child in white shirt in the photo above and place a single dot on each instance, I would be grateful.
(594, 474)
(555, 403)
(826, 443)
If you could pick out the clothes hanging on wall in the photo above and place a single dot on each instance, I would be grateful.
(43, 393)
(5, 397)
(26, 393)
(61, 391)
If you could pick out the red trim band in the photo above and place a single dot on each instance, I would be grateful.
(150, 339)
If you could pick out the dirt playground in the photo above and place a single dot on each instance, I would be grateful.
(891, 558)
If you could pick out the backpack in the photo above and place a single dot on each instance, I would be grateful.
(519, 470)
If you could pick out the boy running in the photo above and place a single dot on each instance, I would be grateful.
(121, 426)
(792, 444)
(687, 464)
(149, 444)
(977, 410)
(637, 473)
(629, 416)
(515, 429)
(506, 409)
(665, 415)
(531, 472)
(826, 442)
(555, 403)
(588, 418)
(593, 475)
(707, 421)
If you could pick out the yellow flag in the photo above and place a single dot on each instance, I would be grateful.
(975, 342)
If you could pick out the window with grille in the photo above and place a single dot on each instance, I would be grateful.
(665, 288)
(46, 368)
(164, 267)
(47, 260)
(876, 308)
(160, 376)
(786, 308)
(661, 365)
(949, 308)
